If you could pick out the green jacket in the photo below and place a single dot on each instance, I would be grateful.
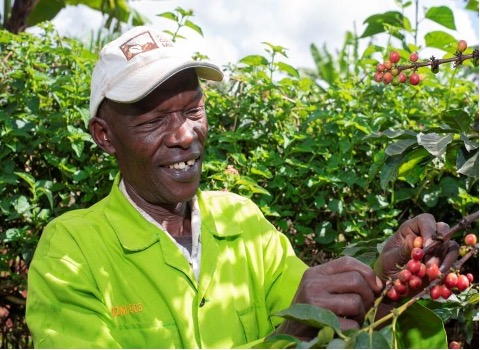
(105, 277)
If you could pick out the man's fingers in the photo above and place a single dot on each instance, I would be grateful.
(346, 324)
(348, 264)
(442, 228)
(450, 256)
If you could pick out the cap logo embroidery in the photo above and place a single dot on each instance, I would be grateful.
(137, 45)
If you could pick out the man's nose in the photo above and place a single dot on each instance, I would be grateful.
(183, 134)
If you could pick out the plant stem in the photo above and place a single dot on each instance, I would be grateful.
(458, 59)
(463, 224)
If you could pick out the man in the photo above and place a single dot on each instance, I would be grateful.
(159, 263)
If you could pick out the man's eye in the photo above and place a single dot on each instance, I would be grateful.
(154, 121)
(195, 112)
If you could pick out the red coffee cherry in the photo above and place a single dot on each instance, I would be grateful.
(403, 77)
(387, 77)
(414, 79)
(470, 277)
(470, 239)
(462, 46)
(400, 287)
(454, 345)
(462, 283)
(451, 280)
(394, 56)
(415, 282)
(378, 77)
(393, 294)
(445, 292)
(413, 266)
(435, 292)
(405, 275)
(388, 65)
(432, 271)
(416, 254)
(422, 271)
(380, 67)
(413, 57)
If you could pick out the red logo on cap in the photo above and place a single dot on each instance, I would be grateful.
(137, 45)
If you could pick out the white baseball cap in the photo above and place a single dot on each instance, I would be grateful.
(133, 65)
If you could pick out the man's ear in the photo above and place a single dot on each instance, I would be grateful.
(99, 129)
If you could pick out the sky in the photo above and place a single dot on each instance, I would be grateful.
(236, 28)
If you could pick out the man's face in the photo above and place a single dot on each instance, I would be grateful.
(159, 140)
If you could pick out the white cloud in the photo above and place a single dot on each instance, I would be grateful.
(236, 28)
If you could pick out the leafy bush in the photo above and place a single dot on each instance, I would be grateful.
(48, 162)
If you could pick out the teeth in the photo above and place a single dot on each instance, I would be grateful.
(182, 165)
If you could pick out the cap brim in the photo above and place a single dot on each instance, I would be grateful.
(141, 82)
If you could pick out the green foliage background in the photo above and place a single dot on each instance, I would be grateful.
(334, 160)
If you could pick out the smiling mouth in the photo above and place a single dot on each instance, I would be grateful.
(182, 165)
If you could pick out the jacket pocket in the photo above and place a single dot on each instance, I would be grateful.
(248, 319)
(153, 334)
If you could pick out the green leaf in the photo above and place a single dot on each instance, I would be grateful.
(45, 10)
(276, 48)
(399, 147)
(21, 205)
(472, 5)
(410, 170)
(287, 69)
(262, 171)
(394, 134)
(336, 206)
(254, 60)
(434, 143)
(470, 145)
(376, 23)
(390, 170)
(27, 178)
(324, 233)
(194, 27)
(311, 315)
(457, 119)
(336, 343)
(279, 341)
(442, 15)
(440, 40)
(375, 340)
(47, 193)
(325, 335)
(13, 234)
(470, 167)
(169, 15)
(420, 328)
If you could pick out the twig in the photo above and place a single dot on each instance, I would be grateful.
(463, 224)
(459, 59)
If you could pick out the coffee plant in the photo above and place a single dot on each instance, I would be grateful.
(391, 72)
(414, 283)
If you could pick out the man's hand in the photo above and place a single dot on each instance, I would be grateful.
(396, 251)
(345, 286)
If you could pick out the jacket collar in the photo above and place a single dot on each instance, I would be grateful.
(217, 218)
(136, 234)
(133, 231)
